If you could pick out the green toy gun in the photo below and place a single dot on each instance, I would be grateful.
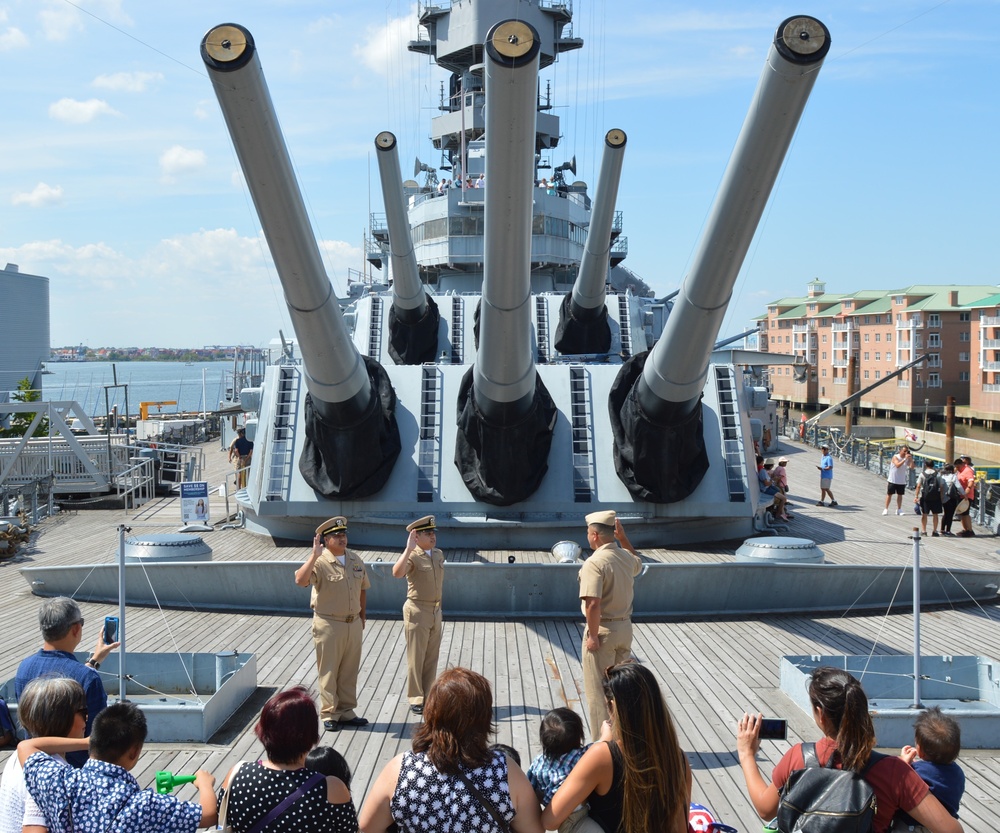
(166, 781)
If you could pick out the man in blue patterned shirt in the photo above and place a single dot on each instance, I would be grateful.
(103, 797)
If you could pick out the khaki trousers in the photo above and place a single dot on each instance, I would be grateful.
(338, 658)
(422, 625)
(615, 646)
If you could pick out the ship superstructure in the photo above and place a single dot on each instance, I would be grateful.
(503, 377)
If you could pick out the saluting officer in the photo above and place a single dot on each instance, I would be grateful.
(339, 584)
(606, 590)
(423, 565)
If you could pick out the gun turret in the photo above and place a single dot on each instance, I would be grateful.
(351, 435)
(506, 415)
(583, 317)
(656, 400)
(413, 317)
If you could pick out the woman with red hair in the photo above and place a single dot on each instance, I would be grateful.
(452, 781)
(288, 728)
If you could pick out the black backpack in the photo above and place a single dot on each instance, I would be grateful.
(821, 799)
(931, 484)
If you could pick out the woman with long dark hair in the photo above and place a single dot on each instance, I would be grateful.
(429, 787)
(636, 778)
(840, 709)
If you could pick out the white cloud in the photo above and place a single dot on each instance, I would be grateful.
(382, 50)
(12, 38)
(59, 21)
(129, 82)
(80, 112)
(180, 160)
(41, 195)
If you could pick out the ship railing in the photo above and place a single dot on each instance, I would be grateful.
(30, 501)
(136, 485)
(876, 455)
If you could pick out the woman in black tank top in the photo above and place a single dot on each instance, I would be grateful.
(636, 775)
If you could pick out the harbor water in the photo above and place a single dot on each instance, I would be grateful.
(86, 383)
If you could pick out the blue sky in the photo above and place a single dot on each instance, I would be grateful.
(118, 180)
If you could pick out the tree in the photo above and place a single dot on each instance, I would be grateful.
(19, 423)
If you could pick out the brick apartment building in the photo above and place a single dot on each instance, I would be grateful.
(956, 327)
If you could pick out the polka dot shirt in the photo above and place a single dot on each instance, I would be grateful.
(256, 790)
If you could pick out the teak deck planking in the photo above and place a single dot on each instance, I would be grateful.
(711, 670)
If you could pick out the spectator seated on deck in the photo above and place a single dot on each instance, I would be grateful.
(768, 487)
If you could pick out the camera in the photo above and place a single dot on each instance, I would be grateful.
(110, 630)
(773, 728)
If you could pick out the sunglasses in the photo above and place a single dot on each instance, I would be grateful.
(84, 714)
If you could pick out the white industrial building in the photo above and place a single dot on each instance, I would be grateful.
(24, 328)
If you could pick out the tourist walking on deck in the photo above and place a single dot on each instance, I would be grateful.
(240, 453)
(637, 778)
(339, 586)
(422, 564)
(61, 623)
(928, 497)
(899, 467)
(606, 590)
(840, 709)
(255, 790)
(452, 779)
(825, 476)
(952, 494)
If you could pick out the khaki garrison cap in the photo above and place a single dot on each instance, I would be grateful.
(424, 524)
(607, 518)
(338, 524)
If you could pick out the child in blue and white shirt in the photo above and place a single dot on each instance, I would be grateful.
(561, 734)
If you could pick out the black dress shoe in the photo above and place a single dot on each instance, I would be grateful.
(331, 725)
(417, 708)
(355, 721)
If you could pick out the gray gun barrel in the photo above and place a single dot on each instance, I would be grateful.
(674, 374)
(588, 289)
(335, 373)
(408, 295)
(504, 373)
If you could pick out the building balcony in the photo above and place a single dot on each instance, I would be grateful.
(990, 321)
(991, 388)
(842, 326)
(989, 365)
(804, 328)
(840, 362)
(903, 345)
(911, 324)
(990, 343)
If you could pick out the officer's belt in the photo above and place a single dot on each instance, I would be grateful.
(349, 618)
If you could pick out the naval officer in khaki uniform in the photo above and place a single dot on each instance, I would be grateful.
(423, 565)
(339, 584)
(606, 584)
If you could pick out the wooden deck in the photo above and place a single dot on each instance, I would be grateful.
(711, 671)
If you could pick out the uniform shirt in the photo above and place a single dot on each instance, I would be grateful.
(64, 664)
(336, 589)
(103, 797)
(425, 575)
(608, 575)
(896, 785)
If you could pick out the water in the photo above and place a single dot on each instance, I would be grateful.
(147, 382)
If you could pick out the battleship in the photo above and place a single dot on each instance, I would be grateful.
(509, 374)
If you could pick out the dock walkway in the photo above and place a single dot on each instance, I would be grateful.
(711, 670)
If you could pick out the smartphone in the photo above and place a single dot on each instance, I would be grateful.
(110, 630)
(773, 728)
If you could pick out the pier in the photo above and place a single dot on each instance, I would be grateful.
(711, 669)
